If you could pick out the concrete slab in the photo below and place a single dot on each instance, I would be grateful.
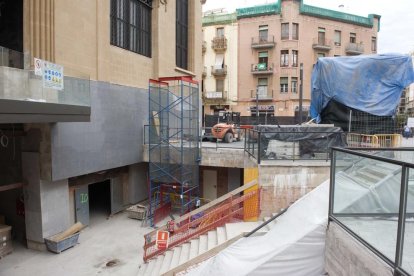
(117, 238)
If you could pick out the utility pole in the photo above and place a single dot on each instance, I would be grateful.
(300, 93)
(257, 105)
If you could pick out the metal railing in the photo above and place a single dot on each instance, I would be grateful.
(371, 197)
(262, 95)
(354, 48)
(263, 42)
(322, 44)
(219, 43)
(230, 207)
(219, 71)
(262, 68)
(214, 95)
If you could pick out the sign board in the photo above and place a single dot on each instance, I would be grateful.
(38, 67)
(263, 108)
(410, 122)
(162, 239)
(52, 75)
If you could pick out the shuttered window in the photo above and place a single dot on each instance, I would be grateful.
(181, 35)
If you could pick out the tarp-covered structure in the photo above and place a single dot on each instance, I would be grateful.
(371, 83)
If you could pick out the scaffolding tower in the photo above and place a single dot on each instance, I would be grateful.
(174, 146)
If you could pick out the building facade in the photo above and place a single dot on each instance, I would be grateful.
(66, 151)
(220, 62)
(275, 39)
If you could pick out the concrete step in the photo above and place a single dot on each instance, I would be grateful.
(237, 228)
(142, 268)
(149, 268)
(157, 266)
(211, 239)
(176, 257)
(203, 244)
(185, 253)
(167, 261)
(194, 243)
(221, 235)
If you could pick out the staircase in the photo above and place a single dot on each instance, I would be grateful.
(199, 249)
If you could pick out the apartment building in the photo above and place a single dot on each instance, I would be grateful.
(220, 61)
(275, 39)
(75, 151)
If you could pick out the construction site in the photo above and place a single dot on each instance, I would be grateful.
(114, 172)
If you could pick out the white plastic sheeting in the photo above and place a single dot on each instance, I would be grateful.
(294, 246)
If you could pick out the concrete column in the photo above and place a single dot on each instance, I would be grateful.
(46, 203)
(137, 185)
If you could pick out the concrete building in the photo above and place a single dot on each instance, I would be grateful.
(67, 155)
(274, 39)
(220, 61)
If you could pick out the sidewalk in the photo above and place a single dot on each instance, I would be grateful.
(117, 238)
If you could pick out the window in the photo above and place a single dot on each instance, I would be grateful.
(263, 59)
(220, 32)
(284, 58)
(219, 85)
(295, 31)
(284, 85)
(321, 55)
(373, 44)
(262, 88)
(131, 25)
(285, 31)
(181, 35)
(263, 33)
(352, 37)
(295, 54)
(337, 38)
(294, 84)
(321, 36)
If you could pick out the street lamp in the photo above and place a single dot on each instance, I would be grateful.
(300, 93)
(257, 105)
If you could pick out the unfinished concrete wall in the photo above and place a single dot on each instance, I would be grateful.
(113, 138)
(234, 180)
(137, 186)
(346, 256)
(284, 184)
(46, 203)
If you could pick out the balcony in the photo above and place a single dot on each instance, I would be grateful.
(214, 96)
(354, 49)
(263, 42)
(219, 44)
(219, 72)
(262, 69)
(204, 46)
(25, 99)
(204, 71)
(322, 44)
(263, 94)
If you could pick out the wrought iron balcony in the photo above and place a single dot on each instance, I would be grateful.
(219, 43)
(218, 72)
(204, 71)
(214, 96)
(263, 42)
(262, 69)
(263, 94)
(322, 44)
(354, 49)
(204, 46)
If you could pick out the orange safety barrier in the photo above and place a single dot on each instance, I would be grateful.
(200, 223)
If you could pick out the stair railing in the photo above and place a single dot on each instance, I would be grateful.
(216, 213)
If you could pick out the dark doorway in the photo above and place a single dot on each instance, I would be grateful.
(11, 24)
(99, 201)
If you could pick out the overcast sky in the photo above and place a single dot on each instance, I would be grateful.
(397, 17)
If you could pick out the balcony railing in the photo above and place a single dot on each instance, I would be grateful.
(354, 49)
(263, 94)
(204, 46)
(322, 44)
(372, 199)
(263, 42)
(215, 95)
(219, 43)
(219, 71)
(262, 69)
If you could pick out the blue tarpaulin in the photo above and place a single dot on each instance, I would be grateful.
(371, 83)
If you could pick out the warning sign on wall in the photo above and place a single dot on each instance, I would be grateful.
(38, 67)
